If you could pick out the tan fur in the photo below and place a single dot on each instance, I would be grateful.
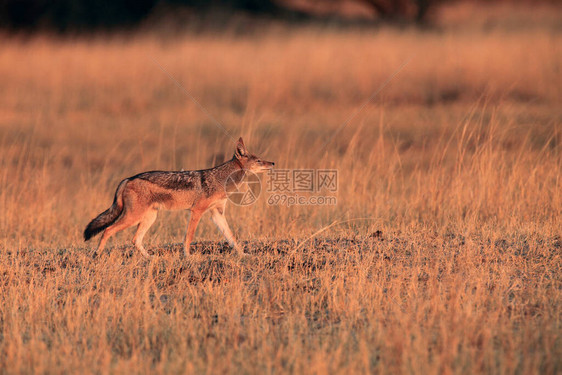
(138, 199)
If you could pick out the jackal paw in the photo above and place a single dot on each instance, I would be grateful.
(240, 253)
(144, 252)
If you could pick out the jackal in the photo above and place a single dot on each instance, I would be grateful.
(138, 199)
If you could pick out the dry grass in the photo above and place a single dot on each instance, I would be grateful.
(457, 163)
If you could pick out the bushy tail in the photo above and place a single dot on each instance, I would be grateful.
(108, 217)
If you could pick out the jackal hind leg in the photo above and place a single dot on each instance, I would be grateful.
(191, 227)
(123, 222)
(146, 221)
(217, 215)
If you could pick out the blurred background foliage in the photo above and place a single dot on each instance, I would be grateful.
(64, 16)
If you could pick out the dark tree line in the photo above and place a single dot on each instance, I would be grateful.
(64, 15)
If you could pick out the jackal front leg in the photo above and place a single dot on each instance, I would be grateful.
(220, 220)
(193, 222)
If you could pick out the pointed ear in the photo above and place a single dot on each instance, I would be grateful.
(240, 149)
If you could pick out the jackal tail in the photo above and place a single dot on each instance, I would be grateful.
(108, 217)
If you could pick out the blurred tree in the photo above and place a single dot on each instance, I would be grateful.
(402, 9)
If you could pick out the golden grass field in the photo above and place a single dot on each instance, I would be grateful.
(457, 162)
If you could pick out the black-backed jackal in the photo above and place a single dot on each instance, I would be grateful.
(138, 199)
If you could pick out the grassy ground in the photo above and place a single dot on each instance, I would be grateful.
(442, 254)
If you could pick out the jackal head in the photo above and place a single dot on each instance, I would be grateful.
(249, 161)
